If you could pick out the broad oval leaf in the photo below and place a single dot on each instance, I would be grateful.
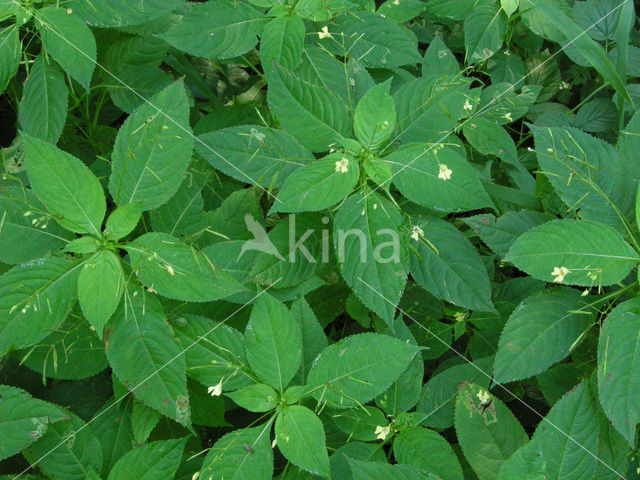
(10, 49)
(541, 331)
(371, 253)
(216, 30)
(244, 454)
(594, 254)
(154, 461)
(26, 232)
(359, 368)
(100, 287)
(488, 435)
(564, 443)
(23, 419)
(376, 40)
(121, 13)
(314, 115)
(445, 263)
(179, 271)
(66, 186)
(253, 154)
(282, 42)
(300, 437)
(273, 341)
(69, 41)
(429, 451)
(375, 116)
(62, 456)
(35, 298)
(619, 368)
(484, 31)
(214, 352)
(152, 151)
(437, 177)
(145, 355)
(319, 185)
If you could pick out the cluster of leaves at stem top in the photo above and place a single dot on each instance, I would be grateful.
(319, 239)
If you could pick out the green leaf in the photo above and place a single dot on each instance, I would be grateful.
(10, 49)
(273, 341)
(100, 287)
(300, 437)
(153, 461)
(592, 51)
(377, 470)
(541, 331)
(594, 254)
(500, 233)
(488, 434)
(23, 419)
(183, 215)
(313, 338)
(564, 443)
(315, 116)
(143, 420)
(428, 451)
(282, 42)
(428, 108)
(25, 231)
(244, 454)
(179, 271)
(438, 394)
(377, 41)
(320, 68)
(439, 61)
(489, 138)
(112, 427)
(375, 117)
(43, 109)
(120, 13)
(417, 168)
(359, 368)
(446, 264)
(35, 298)
(216, 30)
(253, 154)
(214, 352)
(484, 31)
(152, 150)
(122, 221)
(586, 173)
(319, 185)
(255, 398)
(146, 357)
(371, 255)
(509, 6)
(60, 455)
(359, 423)
(8, 8)
(69, 41)
(619, 366)
(66, 186)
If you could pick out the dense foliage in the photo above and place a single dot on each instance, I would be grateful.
(330, 239)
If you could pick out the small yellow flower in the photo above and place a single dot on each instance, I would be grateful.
(507, 117)
(396, 2)
(467, 105)
(559, 273)
(416, 233)
(216, 390)
(324, 33)
(342, 166)
(382, 432)
(444, 172)
(69, 11)
(171, 270)
(484, 396)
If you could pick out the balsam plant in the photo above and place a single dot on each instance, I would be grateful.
(319, 239)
